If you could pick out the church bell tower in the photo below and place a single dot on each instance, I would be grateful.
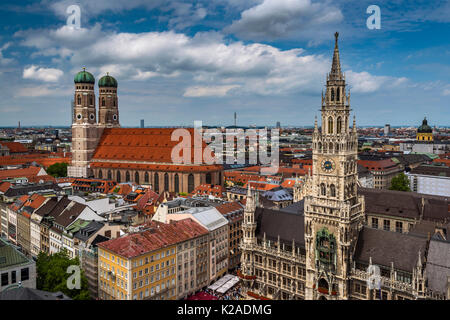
(334, 213)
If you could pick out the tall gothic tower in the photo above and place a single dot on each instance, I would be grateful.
(249, 238)
(334, 213)
(108, 110)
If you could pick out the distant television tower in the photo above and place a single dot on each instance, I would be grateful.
(235, 119)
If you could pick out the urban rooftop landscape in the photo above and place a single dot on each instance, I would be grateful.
(252, 155)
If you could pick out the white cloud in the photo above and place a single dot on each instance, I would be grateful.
(43, 74)
(216, 91)
(41, 91)
(364, 82)
(275, 19)
(206, 59)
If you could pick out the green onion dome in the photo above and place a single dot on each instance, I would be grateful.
(84, 77)
(107, 81)
(425, 128)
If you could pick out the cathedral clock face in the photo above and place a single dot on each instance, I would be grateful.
(328, 165)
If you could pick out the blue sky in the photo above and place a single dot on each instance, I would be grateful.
(180, 61)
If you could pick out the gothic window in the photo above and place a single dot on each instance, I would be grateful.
(190, 183)
(136, 177)
(323, 190)
(103, 102)
(91, 102)
(109, 175)
(338, 91)
(337, 147)
(127, 176)
(330, 125)
(146, 177)
(332, 94)
(320, 146)
(79, 100)
(332, 190)
(100, 174)
(156, 184)
(208, 178)
(114, 102)
(339, 125)
(118, 176)
(166, 181)
(177, 183)
(330, 146)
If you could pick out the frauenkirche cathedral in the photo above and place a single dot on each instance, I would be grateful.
(328, 245)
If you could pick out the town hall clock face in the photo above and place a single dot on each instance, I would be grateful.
(327, 165)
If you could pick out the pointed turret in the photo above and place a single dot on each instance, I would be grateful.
(336, 73)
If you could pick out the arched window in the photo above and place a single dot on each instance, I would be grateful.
(100, 174)
(190, 183)
(338, 91)
(320, 147)
(91, 102)
(177, 183)
(323, 190)
(208, 178)
(103, 101)
(330, 125)
(79, 100)
(332, 190)
(330, 146)
(118, 176)
(323, 284)
(156, 182)
(146, 177)
(127, 177)
(332, 94)
(166, 181)
(114, 102)
(109, 175)
(339, 125)
(136, 177)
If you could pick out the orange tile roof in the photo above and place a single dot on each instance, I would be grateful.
(157, 167)
(158, 235)
(4, 186)
(14, 147)
(152, 145)
(378, 165)
(25, 159)
(209, 189)
(19, 173)
(229, 207)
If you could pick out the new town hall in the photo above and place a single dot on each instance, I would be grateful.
(327, 244)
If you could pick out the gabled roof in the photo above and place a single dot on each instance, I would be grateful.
(14, 147)
(156, 236)
(385, 247)
(150, 145)
(289, 226)
(438, 265)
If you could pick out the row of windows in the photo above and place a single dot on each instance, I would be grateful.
(24, 275)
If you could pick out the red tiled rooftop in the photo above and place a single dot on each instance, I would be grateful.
(158, 235)
(152, 145)
(14, 147)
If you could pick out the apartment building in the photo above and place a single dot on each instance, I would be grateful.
(143, 264)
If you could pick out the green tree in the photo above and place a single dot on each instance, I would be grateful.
(52, 275)
(400, 183)
(58, 170)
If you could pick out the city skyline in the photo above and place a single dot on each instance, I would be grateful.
(267, 57)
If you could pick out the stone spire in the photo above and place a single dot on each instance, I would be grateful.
(336, 73)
